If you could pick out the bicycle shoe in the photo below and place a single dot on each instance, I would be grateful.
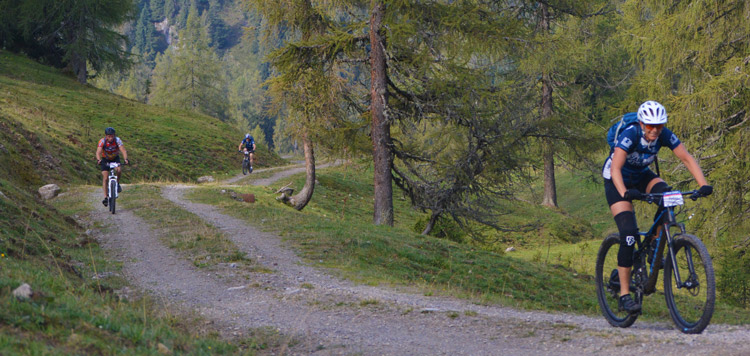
(627, 303)
(119, 188)
(105, 201)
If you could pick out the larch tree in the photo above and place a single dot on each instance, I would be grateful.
(188, 76)
(557, 53)
(692, 56)
(304, 86)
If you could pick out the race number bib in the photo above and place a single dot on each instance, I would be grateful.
(673, 199)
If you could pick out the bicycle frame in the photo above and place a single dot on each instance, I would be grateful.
(666, 220)
(112, 177)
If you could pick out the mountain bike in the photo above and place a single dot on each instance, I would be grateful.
(112, 184)
(689, 284)
(246, 167)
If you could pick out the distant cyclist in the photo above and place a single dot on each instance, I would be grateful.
(627, 176)
(109, 151)
(249, 144)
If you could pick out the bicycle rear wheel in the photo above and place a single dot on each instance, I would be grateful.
(112, 195)
(691, 304)
(608, 284)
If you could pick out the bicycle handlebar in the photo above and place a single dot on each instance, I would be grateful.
(655, 197)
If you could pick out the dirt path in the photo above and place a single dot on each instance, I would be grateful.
(334, 317)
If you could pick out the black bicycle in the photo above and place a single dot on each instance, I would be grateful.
(689, 284)
(246, 166)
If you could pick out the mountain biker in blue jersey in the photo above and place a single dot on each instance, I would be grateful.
(107, 151)
(627, 175)
(249, 143)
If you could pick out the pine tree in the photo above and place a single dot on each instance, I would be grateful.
(189, 76)
(157, 10)
(145, 36)
(80, 34)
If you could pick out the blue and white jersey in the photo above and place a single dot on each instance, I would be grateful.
(640, 153)
(248, 143)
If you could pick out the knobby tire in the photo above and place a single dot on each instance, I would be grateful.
(606, 261)
(691, 309)
(245, 167)
(112, 195)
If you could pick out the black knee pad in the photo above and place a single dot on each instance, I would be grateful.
(660, 187)
(628, 228)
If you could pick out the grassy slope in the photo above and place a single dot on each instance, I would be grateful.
(335, 230)
(49, 126)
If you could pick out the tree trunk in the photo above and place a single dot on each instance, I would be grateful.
(550, 188)
(79, 68)
(548, 155)
(300, 200)
(381, 129)
(430, 224)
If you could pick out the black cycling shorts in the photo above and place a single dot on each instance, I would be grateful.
(104, 165)
(613, 196)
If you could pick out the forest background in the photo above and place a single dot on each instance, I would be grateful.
(461, 104)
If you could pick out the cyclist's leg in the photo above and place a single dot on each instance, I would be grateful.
(104, 167)
(623, 213)
(104, 182)
(628, 228)
(252, 158)
(657, 185)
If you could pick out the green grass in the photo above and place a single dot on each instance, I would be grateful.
(71, 311)
(335, 230)
(50, 126)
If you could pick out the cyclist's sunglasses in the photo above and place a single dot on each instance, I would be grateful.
(654, 126)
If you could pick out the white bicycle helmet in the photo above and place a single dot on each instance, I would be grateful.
(652, 113)
(247, 135)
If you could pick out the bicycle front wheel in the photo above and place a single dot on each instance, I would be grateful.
(112, 194)
(245, 167)
(608, 284)
(691, 303)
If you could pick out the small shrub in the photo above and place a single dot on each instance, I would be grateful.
(445, 228)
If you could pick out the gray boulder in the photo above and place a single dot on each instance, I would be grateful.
(205, 179)
(49, 191)
(23, 292)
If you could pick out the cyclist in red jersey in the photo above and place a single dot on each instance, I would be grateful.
(109, 151)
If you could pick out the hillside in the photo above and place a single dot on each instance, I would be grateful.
(50, 125)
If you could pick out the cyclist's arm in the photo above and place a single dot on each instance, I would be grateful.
(618, 160)
(239, 148)
(99, 153)
(124, 153)
(253, 146)
(691, 164)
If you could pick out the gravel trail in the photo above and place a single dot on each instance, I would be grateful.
(330, 316)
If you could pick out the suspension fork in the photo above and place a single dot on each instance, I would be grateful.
(670, 246)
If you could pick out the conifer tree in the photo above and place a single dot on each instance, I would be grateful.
(189, 76)
(145, 36)
(692, 57)
(157, 10)
(558, 45)
(80, 34)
